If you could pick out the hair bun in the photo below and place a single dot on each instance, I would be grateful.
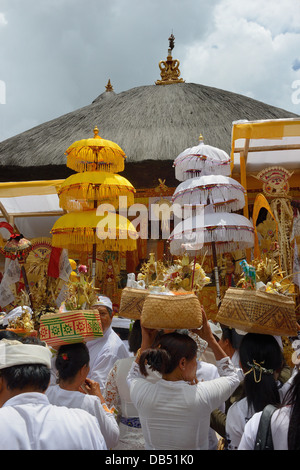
(154, 358)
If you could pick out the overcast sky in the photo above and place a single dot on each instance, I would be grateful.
(57, 55)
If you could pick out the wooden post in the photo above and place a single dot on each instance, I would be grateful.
(216, 271)
(243, 169)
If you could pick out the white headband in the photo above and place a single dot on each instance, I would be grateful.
(119, 322)
(215, 329)
(105, 301)
(15, 353)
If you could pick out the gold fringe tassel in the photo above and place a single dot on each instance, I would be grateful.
(87, 193)
(80, 242)
(84, 159)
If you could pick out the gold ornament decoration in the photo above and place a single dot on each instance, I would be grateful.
(169, 69)
(276, 188)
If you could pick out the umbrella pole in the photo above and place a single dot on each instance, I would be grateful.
(216, 271)
(94, 255)
(94, 263)
(193, 275)
(26, 285)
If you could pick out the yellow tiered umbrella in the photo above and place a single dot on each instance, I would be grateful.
(95, 154)
(83, 190)
(96, 160)
(84, 231)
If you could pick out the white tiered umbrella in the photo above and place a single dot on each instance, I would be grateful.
(229, 232)
(214, 233)
(201, 159)
(223, 192)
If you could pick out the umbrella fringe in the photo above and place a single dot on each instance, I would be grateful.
(87, 192)
(78, 242)
(229, 197)
(95, 143)
(90, 235)
(226, 240)
(83, 159)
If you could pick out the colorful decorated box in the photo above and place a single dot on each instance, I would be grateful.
(70, 327)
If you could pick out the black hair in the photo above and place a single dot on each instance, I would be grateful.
(70, 359)
(36, 376)
(135, 337)
(292, 398)
(33, 340)
(171, 349)
(233, 337)
(260, 357)
(121, 332)
(7, 334)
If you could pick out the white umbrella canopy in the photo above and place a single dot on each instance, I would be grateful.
(223, 192)
(227, 231)
(201, 159)
(212, 233)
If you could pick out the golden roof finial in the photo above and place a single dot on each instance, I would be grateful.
(169, 69)
(171, 42)
(109, 86)
(96, 133)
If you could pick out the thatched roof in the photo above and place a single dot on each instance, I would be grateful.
(152, 124)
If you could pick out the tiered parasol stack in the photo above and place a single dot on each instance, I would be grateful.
(255, 307)
(91, 223)
(91, 199)
(204, 174)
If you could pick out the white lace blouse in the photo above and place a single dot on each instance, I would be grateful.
(176, 415)
(117, 396)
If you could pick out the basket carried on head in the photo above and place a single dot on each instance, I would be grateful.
(132, 301)
(258, 312)
(75, 326)
(177, 311)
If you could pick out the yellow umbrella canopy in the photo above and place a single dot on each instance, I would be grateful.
(82, 190)
(95, 154)
(81, 231)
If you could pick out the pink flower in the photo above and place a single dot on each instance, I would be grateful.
(82, 269)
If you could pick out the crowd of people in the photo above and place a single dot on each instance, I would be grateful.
(154, 393)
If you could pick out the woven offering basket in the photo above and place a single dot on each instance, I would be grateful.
(258, 312)
(132, 301)
(177, 311)
(75, 326)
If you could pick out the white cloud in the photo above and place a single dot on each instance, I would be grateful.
(57, 55)
(252, 49)
(3, 20)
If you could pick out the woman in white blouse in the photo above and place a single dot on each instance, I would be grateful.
(262, 360)
(175, 411)
(75, 390)
(285, 421)
(117, 396)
